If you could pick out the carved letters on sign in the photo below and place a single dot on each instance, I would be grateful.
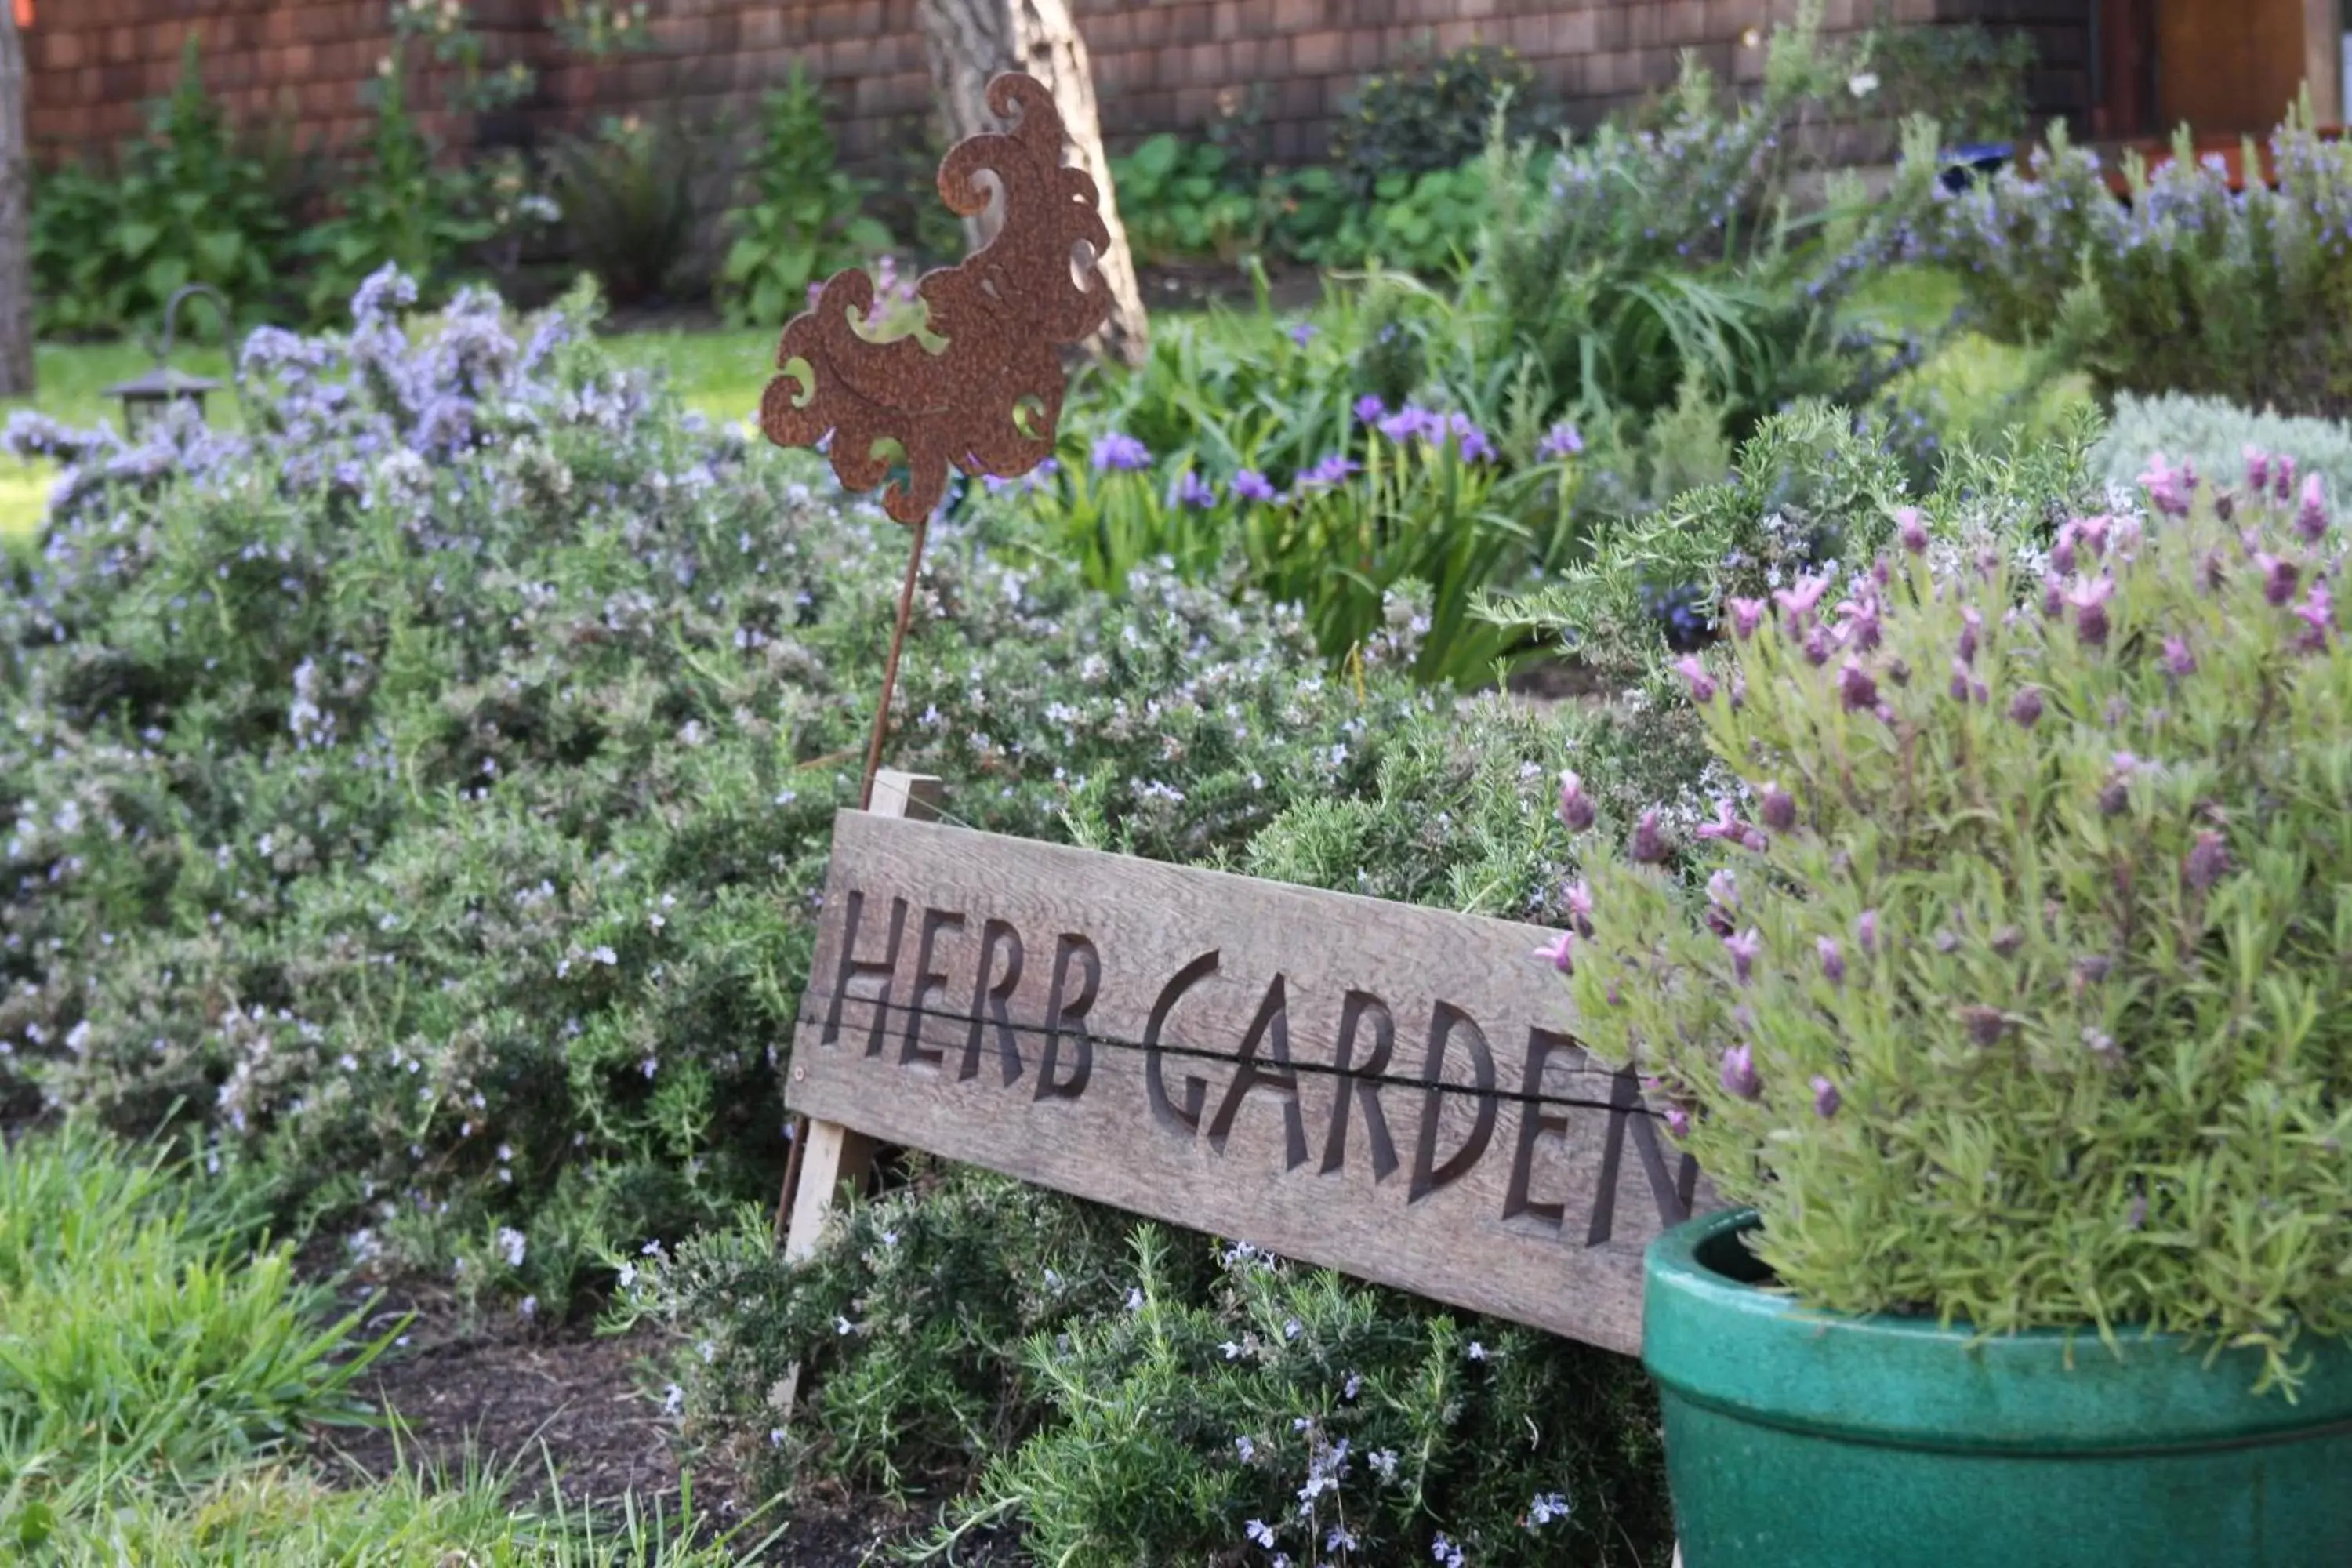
(1389, 1090)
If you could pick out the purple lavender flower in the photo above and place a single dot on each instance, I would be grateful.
(2025, 708)
(2167, 488)
(1562, 440)
(1727, 827)
(1560, 954)
(2283, 476)
(1575, 809)
(1702, 684)
(1744, 949)
(1826, 1097)
(1985, 1025)
(2311, 517)
(1865, 930)
(1328, 471)
(1778, 807)
(1192, 492)
(1966, 686)
(1910, 530)
(2208, 860)
(1116, 452)
(1580, 908)
(1856, 688)
(1797, 603)
(2090, 605)
(1816, 645)
(1369, 409)
(2279, 577)
(1746, 615)
(1677, 1122)
(1833, 959)
(2178, 660)
(2258, 469)
(1250, 485)
(1723, 889)
(1648, 845)
(2317, 612)
(1738, 1075)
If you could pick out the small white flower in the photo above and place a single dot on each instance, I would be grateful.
(1862, 84)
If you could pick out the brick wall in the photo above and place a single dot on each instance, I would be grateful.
(1159, 64)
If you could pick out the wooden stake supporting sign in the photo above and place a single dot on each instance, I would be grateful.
(1389, 1090)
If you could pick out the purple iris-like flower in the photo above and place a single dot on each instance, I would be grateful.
(1778, 807)
(1910, 530)
(1468, 439)
(1329, 471)
(1560, 954)
(1576, 808)
(2279, 577)
(1648, 845)
(1192, 492)
(2178, 660)
(1116, 452)
(2025, 708)
(1303, 333)
(1562, 440)
(1833, 959)
(1746, 615)
(1865, 930)
(1738, 1075)
(2208, 860)
(1856, 688)
(1702, 684)
(1826, 1097)
(1250, 485)
(1411, 422)
(1369, 409)
(1744, 949)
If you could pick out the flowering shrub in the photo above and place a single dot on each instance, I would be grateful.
(2011, 986)
(430, 788)
(2188, 287)
(2213, 434)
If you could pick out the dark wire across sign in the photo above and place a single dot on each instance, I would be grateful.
(1389, 1090)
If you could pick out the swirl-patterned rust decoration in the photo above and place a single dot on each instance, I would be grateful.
(1005, 311)
(989, 402)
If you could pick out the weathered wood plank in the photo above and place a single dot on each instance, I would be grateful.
(1389, 1090)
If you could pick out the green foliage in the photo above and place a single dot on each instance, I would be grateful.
(1436, 114)
(2028, 1010)
(466, 875)
(1808, 495)
(144, 1340)
(2214, 435)
(1628, 268)
(1179, 198)
(2190, 287)
(1425, 223)
(1972, 78)
(803, 218)
(626, 193)
(187, 203)
(395, 205)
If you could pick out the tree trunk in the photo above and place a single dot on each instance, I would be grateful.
(15, 218)
(970, 41)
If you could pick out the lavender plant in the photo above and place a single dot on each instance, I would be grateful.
(2009, 986)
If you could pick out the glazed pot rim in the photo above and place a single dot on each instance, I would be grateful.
(1715, 1338)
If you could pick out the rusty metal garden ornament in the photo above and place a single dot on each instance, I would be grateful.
(988, 403)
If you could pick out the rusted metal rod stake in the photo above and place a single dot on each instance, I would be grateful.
(890, 669)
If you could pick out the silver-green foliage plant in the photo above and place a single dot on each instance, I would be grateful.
(2214, 434)
(2021, 999)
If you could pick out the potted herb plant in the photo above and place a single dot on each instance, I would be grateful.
(2011, 1000)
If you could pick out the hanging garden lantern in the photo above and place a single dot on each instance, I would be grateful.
(146, 396)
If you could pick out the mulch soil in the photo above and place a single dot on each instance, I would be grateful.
(562, 1411)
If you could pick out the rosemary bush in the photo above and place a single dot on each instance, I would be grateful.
(2022, 1001)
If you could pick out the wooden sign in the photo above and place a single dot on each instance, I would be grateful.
(1388, 1091)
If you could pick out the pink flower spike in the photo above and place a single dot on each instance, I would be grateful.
(1560, 954)
(1576, 811)
(1648, 845)
(1743, 950)
(1856, 688)
(2279, 577)
(1797, 603)
(2258, 469)
(1865, 930)
(2317, 612)
(2311, 517)
(1746, 615)
(1677, 1122)
(1702, 684)
(1580, 907)
(2179, 661)
(1833, 959)
(1778, 807)
(1910, 530)
(1826, 1097)
(1738, 1073)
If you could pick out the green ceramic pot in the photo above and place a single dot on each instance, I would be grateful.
(1810, 1440)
